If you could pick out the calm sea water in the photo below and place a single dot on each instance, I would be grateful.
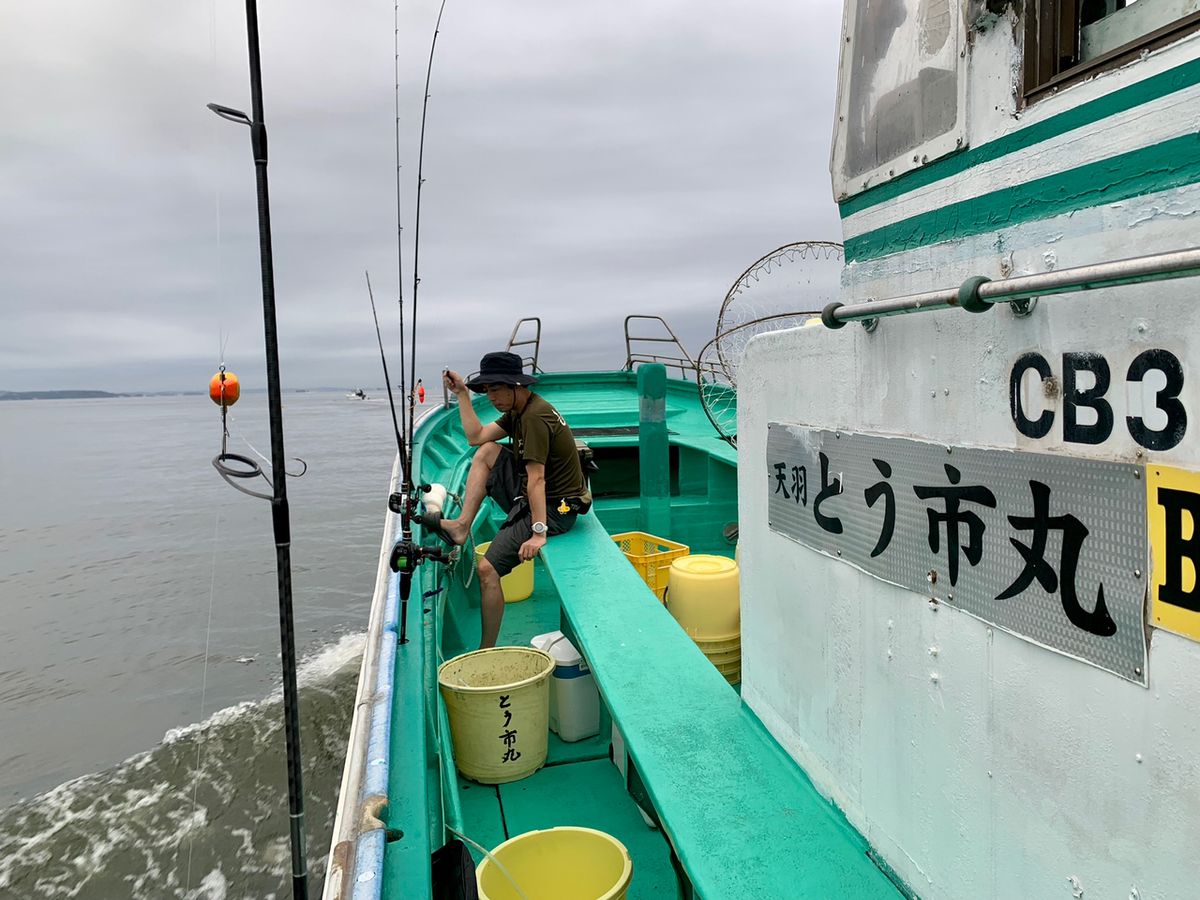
(141, 748)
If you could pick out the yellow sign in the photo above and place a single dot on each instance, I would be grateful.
(1173, 507)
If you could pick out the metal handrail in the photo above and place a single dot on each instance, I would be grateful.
(979, 294)
(536, 340)
(684, 363)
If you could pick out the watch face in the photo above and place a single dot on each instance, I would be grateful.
(539, 527)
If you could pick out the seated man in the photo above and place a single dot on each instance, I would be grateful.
(537, 479)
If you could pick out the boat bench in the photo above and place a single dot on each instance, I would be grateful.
(741, 816)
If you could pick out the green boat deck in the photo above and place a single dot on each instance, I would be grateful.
(579, 784)
(738, 817)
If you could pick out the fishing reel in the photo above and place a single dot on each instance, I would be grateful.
(401, 503)
(407, 555)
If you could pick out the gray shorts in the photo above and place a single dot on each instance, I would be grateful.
(504, 487)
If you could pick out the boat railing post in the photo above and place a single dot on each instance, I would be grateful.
(654, 460)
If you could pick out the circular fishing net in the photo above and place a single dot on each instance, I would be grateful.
(782, 289)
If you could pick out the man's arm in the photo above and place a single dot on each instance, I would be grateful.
(477, 433)
(535, 474)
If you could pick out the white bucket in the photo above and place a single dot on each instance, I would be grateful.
(574, 700)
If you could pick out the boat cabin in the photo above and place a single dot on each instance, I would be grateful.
(976, 631)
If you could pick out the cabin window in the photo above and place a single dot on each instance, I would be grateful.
(900, 101)
(1066, 40)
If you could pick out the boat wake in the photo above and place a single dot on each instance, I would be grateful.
(149, 828)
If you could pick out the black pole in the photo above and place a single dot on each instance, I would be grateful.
(279, 506)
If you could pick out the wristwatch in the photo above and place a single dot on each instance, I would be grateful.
(539, 527)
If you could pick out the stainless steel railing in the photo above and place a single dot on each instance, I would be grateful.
(979, 294)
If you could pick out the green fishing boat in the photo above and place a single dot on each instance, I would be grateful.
(678, 769)
(969, 634)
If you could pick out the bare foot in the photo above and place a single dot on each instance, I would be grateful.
(456, 530)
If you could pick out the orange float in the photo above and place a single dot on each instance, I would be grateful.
(224, 389)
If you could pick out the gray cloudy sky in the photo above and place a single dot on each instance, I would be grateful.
(583, 161)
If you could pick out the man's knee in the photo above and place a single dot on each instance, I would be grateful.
(487, 454)
(487, 572)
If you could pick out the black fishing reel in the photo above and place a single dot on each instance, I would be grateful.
(407, 555)
(400, 503)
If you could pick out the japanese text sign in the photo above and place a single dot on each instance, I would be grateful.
(508, 739)
(1051, 548)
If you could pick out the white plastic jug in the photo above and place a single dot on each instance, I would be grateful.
(574, 700)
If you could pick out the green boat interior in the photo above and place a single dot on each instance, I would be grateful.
(733, 814)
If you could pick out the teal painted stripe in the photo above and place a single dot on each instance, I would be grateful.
(1172, 163)
(1126, 98)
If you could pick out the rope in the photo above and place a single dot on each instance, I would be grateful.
(251, 468)
(499, 865)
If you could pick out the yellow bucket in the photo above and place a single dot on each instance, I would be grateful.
(724, 643)
(732, 668)
(517, 584)
(724, 659)
(566, 863)
(498, 702)
(704, 596)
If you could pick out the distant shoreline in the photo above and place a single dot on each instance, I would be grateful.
(107, 395)
(84, 395)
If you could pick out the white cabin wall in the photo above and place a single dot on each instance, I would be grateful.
(977, 763)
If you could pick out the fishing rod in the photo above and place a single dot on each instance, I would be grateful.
(392, 403)
(420, 182)
(399, 217)
(280, 520)
(406, 555)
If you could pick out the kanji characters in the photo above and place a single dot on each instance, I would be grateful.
(953, 517)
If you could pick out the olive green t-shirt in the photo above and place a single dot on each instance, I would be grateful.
(541, 435)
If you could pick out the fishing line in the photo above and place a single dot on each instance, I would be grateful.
(387, 379)
(257, 453)
(499, 865)
(222, 345)
(212, 583)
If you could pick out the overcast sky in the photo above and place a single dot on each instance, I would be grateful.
(583, 161)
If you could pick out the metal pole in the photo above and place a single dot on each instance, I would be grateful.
(1138, 269)
(279, 506)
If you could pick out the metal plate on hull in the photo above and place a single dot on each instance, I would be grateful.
(1050, 548)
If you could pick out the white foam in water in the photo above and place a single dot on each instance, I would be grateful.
(331, 659)
(313, 671)
(214, 886)
(220, 717)
(112, 834)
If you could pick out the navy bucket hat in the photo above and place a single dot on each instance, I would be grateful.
(501, 367)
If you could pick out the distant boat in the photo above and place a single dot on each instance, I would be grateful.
(359, 394)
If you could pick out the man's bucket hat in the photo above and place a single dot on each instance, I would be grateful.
(499, 368)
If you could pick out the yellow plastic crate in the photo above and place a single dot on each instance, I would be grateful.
(651, 556)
